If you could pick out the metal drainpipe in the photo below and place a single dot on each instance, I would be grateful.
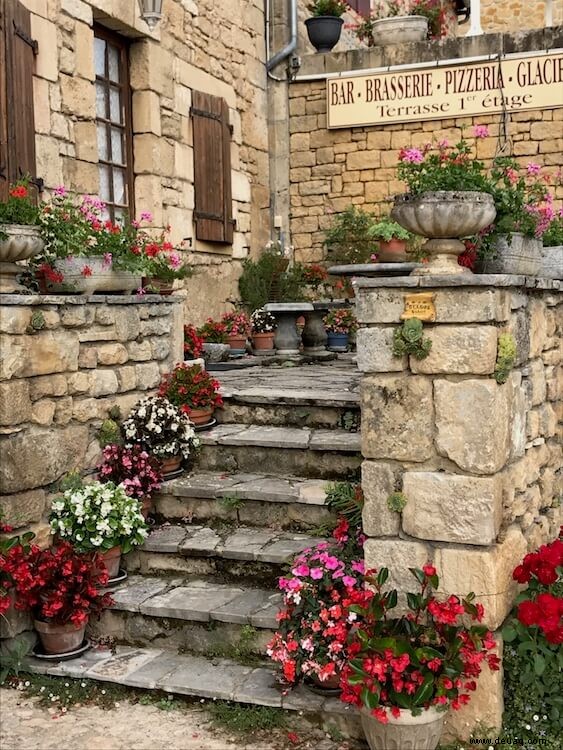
(290, 47)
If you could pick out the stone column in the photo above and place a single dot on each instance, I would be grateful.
(475, 459)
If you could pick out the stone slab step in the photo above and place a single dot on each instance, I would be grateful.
(268, 436)
(200, 601)
(241, 543)
(221, 679)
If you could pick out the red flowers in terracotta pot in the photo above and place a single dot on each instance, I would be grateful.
(193, 391)
(237, 327)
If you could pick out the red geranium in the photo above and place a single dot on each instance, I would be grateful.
(20, 191)
(190, 387)
(193, 344)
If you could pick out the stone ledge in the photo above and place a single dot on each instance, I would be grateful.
(85, 299)
(454, 280)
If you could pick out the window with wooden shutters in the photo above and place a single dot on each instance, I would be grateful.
(17, 124)
(212, 168)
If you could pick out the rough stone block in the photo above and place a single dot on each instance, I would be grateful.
(79, 382)
(103, 383)
(378, 482)
(537, 382)
(126, 378)
(139, 350)
(63, 410)
(88, 357)
(49, 385)
(76, 315)
(46, 455)
(147, 375)
(43, 412)
(486, 572)
(398, 555)
(15, 403)
(43, 353)
(375, 351)
(397, 417)
(473, 423)
(14, 319)
(23, 508)
(452, 508)
(459, 350)
(112, 354)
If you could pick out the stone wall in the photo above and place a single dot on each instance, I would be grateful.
(214, 47)
(331, 169)
(515, 15)
(480, 464)
(64, 362)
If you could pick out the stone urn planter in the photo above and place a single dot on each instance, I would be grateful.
(21, 242)
(443, 217)
(216, 352)
(324, 32)
(287, 340)
(406, 732)
(89, 275)
(551, 265)
(515, 254)
(60, 639)
(399, 30)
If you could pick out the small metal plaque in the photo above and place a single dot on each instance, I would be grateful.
(420, 306)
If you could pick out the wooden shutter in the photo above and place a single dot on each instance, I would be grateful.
(363, 7)
(212, 168)
(17, 124)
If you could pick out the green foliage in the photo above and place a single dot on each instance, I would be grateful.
(269, 279)
(232, 503)
(386, 229)
(396, 502)
(409, 339)
(350, 421)
(348, 240)
(70, 481)
(109, 433)
(20, 206)
(328, 8)
(553, 236)
(37, 322)
(13, 659)
(506, 357)
(241, 719)
(346, 499)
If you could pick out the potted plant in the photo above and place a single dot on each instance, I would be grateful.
(60, 587)
(263, 330)
(552, 249)
(325, 25)
(406, 671)
(270, 278)
(237, 328)
(193, 343)
(163, 265)
(339, 324)
(20, 238)
(348, 240)
(317, 619)
(315, 276)
(214, 336)
(448, 197)
(99, 517)
(193, 391)
(134, 469)
(401, 22)
(392, 239)
(162, 430)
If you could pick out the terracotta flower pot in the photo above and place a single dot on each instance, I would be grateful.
(112, 558)
(158, 286)
(407, 732)
(201, 416)
(146, 507)
(236, 341)
(173, 463)
(392, 251)
(60, 639)
(263, 341)
(330, 684)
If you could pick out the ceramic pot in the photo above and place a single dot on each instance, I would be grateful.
(551, 266)
(236, 341)
(330, 685)
(392, 251)
(444, 216)
(338, 342)
(111, 559)
(101, 279)
(154, 285)
(201, 416)
(170, 464)
(515, 254)
(406, 732)
(23, 242)
(324, 32)
(399, 30)
(263, 341)
(60, 639)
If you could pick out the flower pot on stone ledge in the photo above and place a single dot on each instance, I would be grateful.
(112, 560)
(154, 285)
(60, 639)
(91, 275)
(20, 242)
(405, 731)
(515, 254)
(324, 32)
(399, 30)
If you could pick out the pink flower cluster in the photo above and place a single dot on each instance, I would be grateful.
(134, 468)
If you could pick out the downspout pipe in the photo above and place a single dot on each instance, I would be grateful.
(290, 47)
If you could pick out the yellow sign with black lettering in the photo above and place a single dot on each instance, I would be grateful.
(420, 306)
(511, 83)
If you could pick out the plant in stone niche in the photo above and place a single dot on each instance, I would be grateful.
(350, 421)
(409, 339)
(231, 503)
(396, 502)
(506, 357)
(36, 323)
(109, 433)
(71, 481)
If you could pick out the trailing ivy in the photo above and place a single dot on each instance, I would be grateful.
(409, 339)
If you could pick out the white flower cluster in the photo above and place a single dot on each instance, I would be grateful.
(97, 517)
(262, 321)
(160, 428)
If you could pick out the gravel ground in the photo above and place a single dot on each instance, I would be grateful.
(25, 724)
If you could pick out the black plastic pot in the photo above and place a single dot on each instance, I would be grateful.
(324, 32)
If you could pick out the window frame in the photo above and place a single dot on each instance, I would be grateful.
(124, 86)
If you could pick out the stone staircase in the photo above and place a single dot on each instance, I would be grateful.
(201, 599)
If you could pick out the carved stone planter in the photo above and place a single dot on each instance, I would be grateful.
(22, 242)
(406, 732)
(400, 30)
(515, 254)
(89, 275)
(551, 266)
(287, 340)
(444, 216)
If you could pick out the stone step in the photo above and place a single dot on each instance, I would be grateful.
(220, 679)
(232, 554)
(304, 451)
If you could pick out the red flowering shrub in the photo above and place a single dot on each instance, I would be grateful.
(138, 471)
(212, 332)
(427, 657)
(193, 344)
(20, 206)
(190, 387)
(315, 276)
(236, 323)
(56, 585)
(8, 543)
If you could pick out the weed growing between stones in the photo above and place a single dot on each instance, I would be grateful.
(232, 503)
(242, 651)
(240, 718)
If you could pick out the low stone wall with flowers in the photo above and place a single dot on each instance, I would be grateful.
(65, 361)
(477, 463)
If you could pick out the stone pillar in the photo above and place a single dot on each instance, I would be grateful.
(476, 460)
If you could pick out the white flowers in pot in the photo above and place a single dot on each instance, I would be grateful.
(160, 428)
